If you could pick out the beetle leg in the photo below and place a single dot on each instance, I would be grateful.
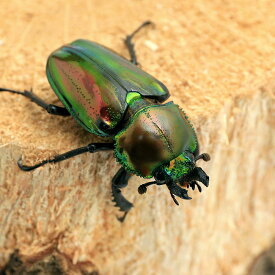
(131, 46)
(91, 148)
(120, 180)
(50, 108)
(176, 190)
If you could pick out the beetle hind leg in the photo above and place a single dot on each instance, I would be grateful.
(120, 180)
(50, 108)
(131, 46)
(90, 148)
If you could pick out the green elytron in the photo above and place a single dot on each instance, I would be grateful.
(111, 97)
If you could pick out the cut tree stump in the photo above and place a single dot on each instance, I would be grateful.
(217, 59)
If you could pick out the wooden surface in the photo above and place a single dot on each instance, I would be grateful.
(217, 59)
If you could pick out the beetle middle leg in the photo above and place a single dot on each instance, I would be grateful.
(120, 180)
(131, 46)
(50, 108)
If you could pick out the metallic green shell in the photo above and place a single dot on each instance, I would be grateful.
(179, 166)
(92, 82)
(154, 136)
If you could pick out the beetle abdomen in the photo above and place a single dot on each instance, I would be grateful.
(155, 135)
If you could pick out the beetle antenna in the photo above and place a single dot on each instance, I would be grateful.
(204, 156)
(143, 187)
(130, 45)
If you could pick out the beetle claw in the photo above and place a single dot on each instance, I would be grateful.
(30, 168)
(121, 219)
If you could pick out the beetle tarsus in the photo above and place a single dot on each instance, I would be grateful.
(30, 168)
(50, 108)
(131, 46)
(122, 218)
(146, 23)
(91, 148)
(11, 91)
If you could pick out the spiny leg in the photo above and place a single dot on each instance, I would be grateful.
(130, 46)
(50, 108)
(91, 148)
(120, 180)
(178, 191)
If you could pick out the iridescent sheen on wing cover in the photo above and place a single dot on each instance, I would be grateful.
(92, 82)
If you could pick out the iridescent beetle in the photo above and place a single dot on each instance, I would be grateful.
(111, 97)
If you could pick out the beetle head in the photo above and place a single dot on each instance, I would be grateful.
(180, 172)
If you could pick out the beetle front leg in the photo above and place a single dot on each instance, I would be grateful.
(50, 108)
(178, 191)
(131, 46)
(120, 180)
(90, 148)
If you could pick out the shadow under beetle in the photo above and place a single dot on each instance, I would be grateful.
(111, 97)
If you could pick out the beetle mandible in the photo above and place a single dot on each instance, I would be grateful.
(112, 97)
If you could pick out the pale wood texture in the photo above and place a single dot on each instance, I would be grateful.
(217, 59)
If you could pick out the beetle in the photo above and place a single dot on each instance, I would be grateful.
(112, 97)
